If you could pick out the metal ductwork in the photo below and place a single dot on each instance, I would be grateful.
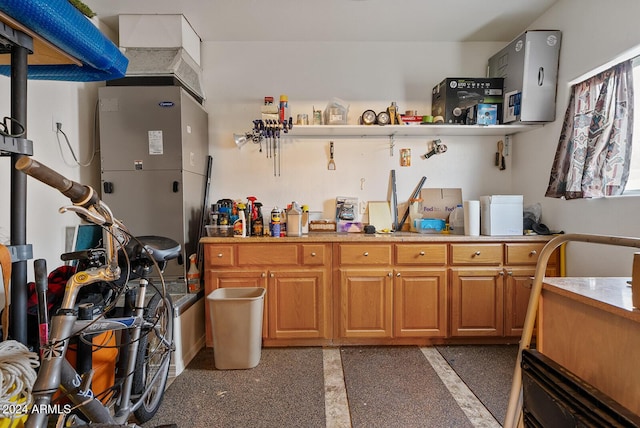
(163, 66)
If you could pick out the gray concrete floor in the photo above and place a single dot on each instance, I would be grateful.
(367, 386)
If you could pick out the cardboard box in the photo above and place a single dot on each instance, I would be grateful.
(482, 114)
(501, 215)
(453, 96)
(439, 203)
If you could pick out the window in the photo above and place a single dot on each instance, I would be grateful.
(633, 184)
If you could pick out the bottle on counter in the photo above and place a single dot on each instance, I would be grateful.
(240, 225)
(193, 275)
(283, 222)
(274, 225)
(294, 220)
(305, 219)
(258, 223)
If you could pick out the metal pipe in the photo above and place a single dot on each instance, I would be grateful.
(18, 311)
(514, 409)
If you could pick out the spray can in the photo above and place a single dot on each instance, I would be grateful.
(284, 108)
(193, 275)
(274, 226)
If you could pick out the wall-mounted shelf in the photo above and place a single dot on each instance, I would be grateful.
(406, 130)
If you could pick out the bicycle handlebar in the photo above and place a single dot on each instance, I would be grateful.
(81, 195)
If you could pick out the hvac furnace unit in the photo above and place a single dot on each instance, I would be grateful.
(154, 149)
(529, 66)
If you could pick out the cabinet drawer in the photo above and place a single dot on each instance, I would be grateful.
(421, 254)
(525, 254)
(313, 254)
(476, 254)
(365, 254)
(268, 254)
(219, 255)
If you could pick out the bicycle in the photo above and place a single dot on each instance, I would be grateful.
(145, 325)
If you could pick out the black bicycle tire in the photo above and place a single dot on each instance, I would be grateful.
(144, 412)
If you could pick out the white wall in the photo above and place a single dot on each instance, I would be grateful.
(238, 75)
(72, 104)
(593, 34)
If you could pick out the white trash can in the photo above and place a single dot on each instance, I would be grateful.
(236, 326)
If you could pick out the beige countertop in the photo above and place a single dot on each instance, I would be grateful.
(330, 237)
(611, 294)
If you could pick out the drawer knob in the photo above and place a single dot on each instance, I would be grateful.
(390, 274)
(365, 254)
(272, 275)
(398, 274)
(501, 273)
(510, 273)
(220, 255)
(313, 254)
(422, 253)
(263, 275)
(533, 252)
(477, 253)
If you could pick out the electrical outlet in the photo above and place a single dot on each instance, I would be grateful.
(54, 123)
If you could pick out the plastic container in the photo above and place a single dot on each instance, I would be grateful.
(294, 220)
(219, 231)
(430, 225)
(236, 325)
(456, 221)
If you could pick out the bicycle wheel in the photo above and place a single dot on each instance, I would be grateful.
(154, 357)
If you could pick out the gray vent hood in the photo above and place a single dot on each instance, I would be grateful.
(166, 62)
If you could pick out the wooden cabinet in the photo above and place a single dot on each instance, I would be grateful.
(492, 301)
(420, 302)
(477, 289)
(296, 276)
(382, 291)
(363, 298)
(298, 304)
(394, 297)
(521, 260)
(477, 301)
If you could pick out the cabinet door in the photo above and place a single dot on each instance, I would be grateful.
(365, 303)
(298, 304)
(420, 303)
(477, 302)
(244, 278)
(516, 297)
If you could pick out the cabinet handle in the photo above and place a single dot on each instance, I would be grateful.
(263, 275)
(398, 274)
(477, 253)
(220, 255)
(510, 273)
(313, 254)
(422, 253)
(272, 275)
(501, 273)
(390, 274)
(533, 252)
(365, 254)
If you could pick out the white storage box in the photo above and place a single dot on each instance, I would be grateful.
(159, 31)
(501, 215)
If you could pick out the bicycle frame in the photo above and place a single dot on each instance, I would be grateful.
(56, 372)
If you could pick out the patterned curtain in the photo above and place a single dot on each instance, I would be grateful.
(594, 150)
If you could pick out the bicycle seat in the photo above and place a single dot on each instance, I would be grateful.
(160, 248)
